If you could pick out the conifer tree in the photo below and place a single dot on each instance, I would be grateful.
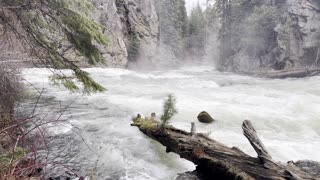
(169, 110)
(197, 32)
(48, 28)
(173, 24)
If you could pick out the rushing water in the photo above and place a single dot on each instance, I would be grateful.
(286, 114)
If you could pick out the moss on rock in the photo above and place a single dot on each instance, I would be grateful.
(145, 123)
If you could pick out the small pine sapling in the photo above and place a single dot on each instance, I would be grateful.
(169, 110)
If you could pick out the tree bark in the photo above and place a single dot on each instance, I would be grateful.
(217, 161)
(6, 116)
(292, 74)
(283, 74)
(251, 134)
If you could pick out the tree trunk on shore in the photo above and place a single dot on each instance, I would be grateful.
(10, 92)
(285, 73)
(293, 74)
(217, 161)
(6, 116)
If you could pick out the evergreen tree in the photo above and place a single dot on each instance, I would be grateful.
(45, 27)
(196, 39)
(246, 34)
(173, 24)
(260, 38)
(169, 110)
(222, 8)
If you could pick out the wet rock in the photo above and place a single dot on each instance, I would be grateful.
(189, 176)
(205, 117)
(310, 167)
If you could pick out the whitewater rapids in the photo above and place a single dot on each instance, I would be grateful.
(286, 114)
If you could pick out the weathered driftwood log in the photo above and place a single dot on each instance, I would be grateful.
(251, 134)
(217, 161)
(290, 74)
(193, 129)
(282, 74)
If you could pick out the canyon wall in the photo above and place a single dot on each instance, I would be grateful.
(269, 34)
(132, 27)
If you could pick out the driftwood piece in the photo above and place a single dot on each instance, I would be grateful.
(214, 160)
(282, 74)
(251, 134)
(193, 129)
(291, 74)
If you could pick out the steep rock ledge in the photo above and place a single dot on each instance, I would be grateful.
(132, 28)
(304, 47)
(276, 35)
(115, 55)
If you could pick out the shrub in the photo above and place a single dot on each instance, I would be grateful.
(9, 159)
(169, 110)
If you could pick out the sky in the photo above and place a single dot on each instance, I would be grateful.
(192, 3)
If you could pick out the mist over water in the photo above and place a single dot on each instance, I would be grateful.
(285, 113)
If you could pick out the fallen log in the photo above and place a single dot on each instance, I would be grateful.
(292, 74)
(283, 74)
(215, 160)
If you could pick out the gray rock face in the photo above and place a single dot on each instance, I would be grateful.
(289, 40)
(143, 21)
(115, 54)
(303, 48)
(132, 27)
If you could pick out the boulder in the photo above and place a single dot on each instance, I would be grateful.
(205, 117)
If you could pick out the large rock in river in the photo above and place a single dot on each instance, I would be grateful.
(205, 117)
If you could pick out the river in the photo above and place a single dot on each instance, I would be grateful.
(286, 114)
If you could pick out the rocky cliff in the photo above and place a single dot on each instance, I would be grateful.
(298, 35)
(132, 27)
(270, 34)
(303, 48)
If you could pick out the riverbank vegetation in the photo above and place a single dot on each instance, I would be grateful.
(45, 30)
(24, 135)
